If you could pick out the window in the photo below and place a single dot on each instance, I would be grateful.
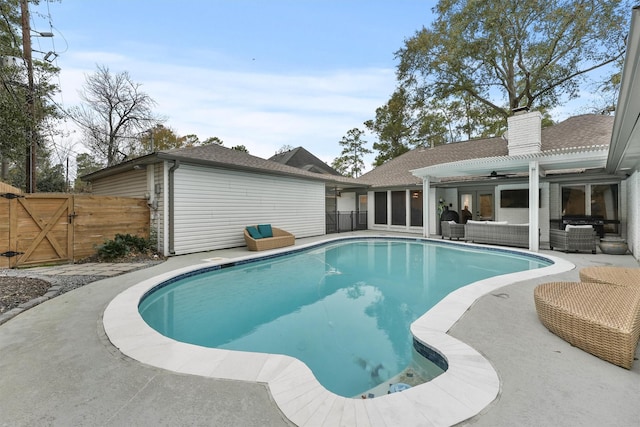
(398, 208)
(597, 200)
(573, 200)
(380, 205)
(416, 208)
(604, 203)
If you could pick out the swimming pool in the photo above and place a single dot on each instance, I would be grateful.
(469, 384)
(343, 308)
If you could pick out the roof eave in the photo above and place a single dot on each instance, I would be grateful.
(164, 156)
(623, 153)
(584, 157)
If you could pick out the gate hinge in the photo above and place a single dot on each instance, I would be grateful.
(11, 195)
(10, 254)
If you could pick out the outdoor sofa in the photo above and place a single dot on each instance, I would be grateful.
(574, 238)
(600, 318)
(497, 233)
(263, 237)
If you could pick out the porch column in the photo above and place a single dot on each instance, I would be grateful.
(534, 209)
(426, 202)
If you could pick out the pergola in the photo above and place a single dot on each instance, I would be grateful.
(536, 165)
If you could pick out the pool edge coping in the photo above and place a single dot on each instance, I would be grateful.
(464, 390)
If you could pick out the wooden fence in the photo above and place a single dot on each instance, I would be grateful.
(46, 228)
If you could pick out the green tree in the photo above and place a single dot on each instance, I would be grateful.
(405, 122)
(159, 138)
(351, 161)
(85, 164)
(213, 140)
(240, 148)
(191, 140)
(15, 116)
(114, 112)
(52, 177)
(506, 54)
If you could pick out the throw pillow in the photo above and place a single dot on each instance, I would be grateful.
(253, 232)
(265, 230)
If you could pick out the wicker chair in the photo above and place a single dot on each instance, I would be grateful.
(621, 276)
(452, 231)
(573, 239)
(280, 239)
(599, 318)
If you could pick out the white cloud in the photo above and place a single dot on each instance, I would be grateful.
(260, 110)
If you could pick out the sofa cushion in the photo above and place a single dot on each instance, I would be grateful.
(265, 230)
(570, 226)
(472, 221)
(253, 232)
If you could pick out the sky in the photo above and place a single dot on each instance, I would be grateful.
(257, 73)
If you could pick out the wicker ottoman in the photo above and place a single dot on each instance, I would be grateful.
(599, 318)
(615, 275)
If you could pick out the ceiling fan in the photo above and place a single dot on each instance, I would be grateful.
(496, 175)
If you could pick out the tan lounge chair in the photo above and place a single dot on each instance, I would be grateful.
(614, 275)
(599, 318)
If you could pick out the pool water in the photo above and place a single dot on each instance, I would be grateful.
(344, 309)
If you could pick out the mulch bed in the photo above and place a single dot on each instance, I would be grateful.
(18, 290)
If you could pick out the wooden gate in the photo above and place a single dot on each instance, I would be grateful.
(57, 228)
(38, 229)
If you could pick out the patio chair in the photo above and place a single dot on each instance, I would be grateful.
(574, 238)
(620, 276)
(452, 230)
(599, 318)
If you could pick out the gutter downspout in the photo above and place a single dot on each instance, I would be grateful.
(176, 165)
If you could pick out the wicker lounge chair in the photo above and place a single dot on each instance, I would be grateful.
(599, 318)
(614, 275)
(452, 230)
(574, 239)
(280, 239)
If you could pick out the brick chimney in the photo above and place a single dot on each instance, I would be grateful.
(524, 132)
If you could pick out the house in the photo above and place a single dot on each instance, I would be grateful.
(566, 162)
(585, 169)
(201, 198)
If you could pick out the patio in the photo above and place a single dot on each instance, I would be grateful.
(60, 369)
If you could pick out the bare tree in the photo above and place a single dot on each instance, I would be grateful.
(114, 112)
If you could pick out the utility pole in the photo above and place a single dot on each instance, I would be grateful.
(30, 168)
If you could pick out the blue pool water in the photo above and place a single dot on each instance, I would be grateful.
(344, 309)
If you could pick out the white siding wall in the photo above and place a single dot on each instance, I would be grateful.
(521, 215)
(128, 184)
(212, 207)
(555, 201)
(633, 216)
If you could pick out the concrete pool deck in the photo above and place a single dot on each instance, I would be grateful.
(59, 368)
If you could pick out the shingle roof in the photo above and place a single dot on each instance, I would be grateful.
(225, 157)
(579, 131)
(303, 159)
